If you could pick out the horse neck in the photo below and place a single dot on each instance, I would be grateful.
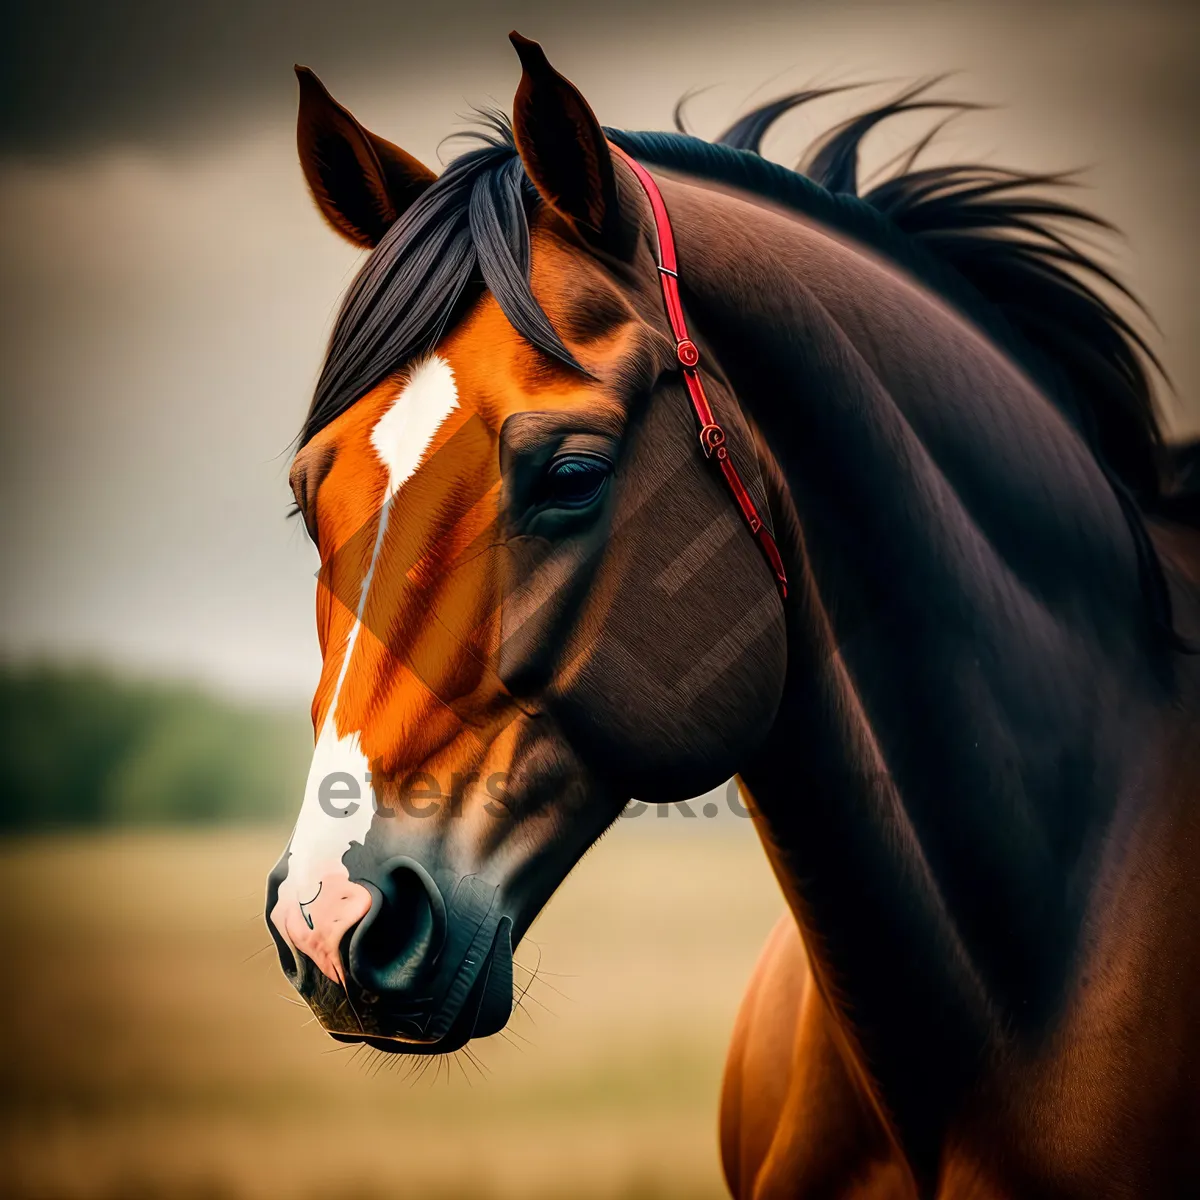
(968, 647)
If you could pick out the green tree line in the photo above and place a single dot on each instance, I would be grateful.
(82, 746)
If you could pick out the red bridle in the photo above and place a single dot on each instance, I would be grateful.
(712, 436)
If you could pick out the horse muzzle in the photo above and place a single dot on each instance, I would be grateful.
(425, 970)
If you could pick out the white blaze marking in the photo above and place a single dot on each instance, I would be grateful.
(401, 438)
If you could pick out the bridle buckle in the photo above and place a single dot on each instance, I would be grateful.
(712, 439)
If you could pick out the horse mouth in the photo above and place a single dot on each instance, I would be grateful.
(477, 1003)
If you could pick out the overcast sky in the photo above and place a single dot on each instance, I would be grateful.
(168, 287)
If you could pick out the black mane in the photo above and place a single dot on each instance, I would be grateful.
(1009, 236)
(994, 242)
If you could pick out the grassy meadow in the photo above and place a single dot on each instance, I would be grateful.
(151, 1048)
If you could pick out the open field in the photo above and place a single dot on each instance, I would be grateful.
(147, 1051)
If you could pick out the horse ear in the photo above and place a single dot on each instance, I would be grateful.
(564, 150)
(361, 182)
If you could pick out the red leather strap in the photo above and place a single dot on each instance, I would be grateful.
(712, 436)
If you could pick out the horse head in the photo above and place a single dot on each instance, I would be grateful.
(535, 599)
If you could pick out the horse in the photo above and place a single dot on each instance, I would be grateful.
(927, 582)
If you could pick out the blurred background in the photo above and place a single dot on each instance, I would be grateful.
(167, 291)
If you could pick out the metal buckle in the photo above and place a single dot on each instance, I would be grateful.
(712, 437)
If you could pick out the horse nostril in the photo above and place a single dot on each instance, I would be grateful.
(402, 934)
(287, 960)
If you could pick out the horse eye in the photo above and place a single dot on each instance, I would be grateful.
(574, 480)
